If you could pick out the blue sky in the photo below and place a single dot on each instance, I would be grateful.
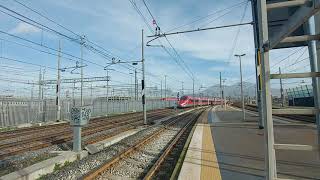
(116, 26)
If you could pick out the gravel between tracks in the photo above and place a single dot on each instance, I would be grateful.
(26, 159)
(16, 162)
(78, 168)
(136, 164)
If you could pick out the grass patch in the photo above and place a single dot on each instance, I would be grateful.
(57, 167)
(10, 167)
(7, 129)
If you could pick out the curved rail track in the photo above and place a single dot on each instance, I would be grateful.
(139, 160)
(28, 139)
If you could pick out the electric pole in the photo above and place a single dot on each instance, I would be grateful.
(193, 101)
(44, 103)
(241, 83)
(143, 83)
(221, 92)
(73, 98)
(281, 89)
(81, 62)
(91, 94)
(224, 94)
(39, 95)
(131, 84)
(182, 88)
(161, 89)
(108, 79)
(165, 90)
(135, 84)
(58, 89)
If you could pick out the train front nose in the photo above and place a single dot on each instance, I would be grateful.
(181, 103)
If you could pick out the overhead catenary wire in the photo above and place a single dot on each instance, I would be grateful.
(135, 7)
(207, 16)
(183, 64)
(41, 26)
(235, 40)
(50, 48)
(151, 30)
(277, 62)
(286, 58)
(39, 50)
(35, 23)
(26, 62)
(49, 19)
(89, 47)
(164, 35)
(125, 73)
(217, 18)
(53, 49)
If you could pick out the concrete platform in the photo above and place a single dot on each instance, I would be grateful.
(225, 147)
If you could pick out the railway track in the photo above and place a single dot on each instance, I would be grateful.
(170, 162)
(136, 161)
(99, 129)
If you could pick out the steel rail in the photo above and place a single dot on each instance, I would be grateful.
(169, 148)
(42, 141)
(102, 168)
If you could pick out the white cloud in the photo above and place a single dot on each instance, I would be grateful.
(22, 28)
(217, 68)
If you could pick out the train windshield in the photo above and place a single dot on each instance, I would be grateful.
(184, 98)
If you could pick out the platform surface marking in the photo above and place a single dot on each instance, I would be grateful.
(209, 166)
(201, 160)
(191, 167)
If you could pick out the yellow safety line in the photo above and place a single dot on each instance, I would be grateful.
(209, 166)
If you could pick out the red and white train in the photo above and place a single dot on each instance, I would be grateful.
(187, 101)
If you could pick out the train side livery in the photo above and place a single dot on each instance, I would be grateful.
(187, 101)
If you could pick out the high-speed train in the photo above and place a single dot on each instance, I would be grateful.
(187, 101)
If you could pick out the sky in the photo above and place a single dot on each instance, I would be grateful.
(115, 25)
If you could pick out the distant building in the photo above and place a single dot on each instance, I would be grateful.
(301, 96)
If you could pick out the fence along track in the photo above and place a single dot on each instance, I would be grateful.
(53, 128)
(17, 111)
(23, 131)
(100, 169)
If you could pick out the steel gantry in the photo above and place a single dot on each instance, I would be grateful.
(272, 33)
(77, 80)
(58, 81)
(143, 81)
